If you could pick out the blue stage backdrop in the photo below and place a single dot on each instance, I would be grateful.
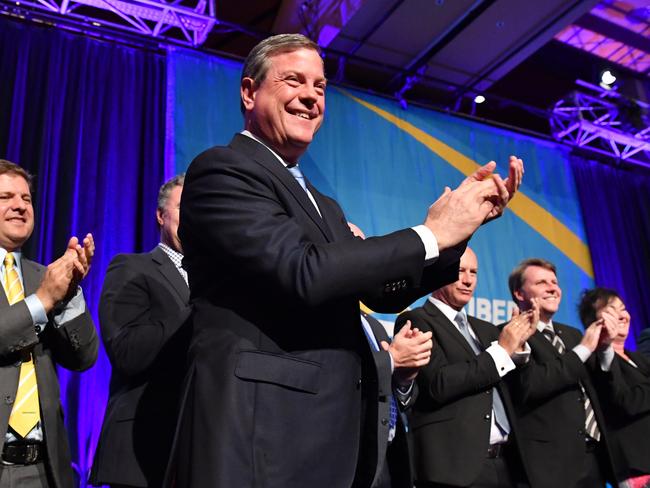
(386, 165)
(86, 117)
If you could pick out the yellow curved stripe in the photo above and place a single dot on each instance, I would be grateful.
(522, 206)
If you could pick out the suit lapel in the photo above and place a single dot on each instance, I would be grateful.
(480, 333)
(264, 157)
(32, 275)
(449, 328)
(171, 274)
(537, 340)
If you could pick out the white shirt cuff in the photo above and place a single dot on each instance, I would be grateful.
(37, 311)
(583, 352)
(605, 358)
(429, 241)
(501, 359)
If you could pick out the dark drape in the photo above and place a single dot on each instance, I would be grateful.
(616, 210)
(87, 118)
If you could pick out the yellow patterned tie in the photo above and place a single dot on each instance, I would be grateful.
(25, 414)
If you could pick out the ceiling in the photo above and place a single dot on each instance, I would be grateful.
(522, 55)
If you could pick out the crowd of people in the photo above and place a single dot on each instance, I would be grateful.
(241, 355)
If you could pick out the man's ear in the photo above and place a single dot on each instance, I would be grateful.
(519, 296)
(159, 217)
(247, 90)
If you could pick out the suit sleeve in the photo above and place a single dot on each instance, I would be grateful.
(629, 395)
(441, 382)
(133, 337)
(74, 343)
(17, 329)
(540, 379)
(238, 209)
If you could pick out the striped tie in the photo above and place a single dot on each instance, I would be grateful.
(25, 414)
(591, 425)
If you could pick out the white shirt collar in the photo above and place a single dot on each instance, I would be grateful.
(17, 257)
(447, 311)
(542, 325)
(248, 133)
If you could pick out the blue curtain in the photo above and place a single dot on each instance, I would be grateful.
(87, 118)
(616, 210)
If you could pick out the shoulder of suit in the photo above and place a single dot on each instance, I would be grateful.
(566, 329)
(33, 265)
(480, 322)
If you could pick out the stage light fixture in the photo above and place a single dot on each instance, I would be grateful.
(607, 79)
(479, 99)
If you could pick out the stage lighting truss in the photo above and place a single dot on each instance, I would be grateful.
(184, 21)
(603, 121)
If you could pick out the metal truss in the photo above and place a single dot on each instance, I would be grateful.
(604, 121)
(184, 21)
(604, 47)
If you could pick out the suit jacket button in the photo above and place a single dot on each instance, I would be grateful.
(487, 416)
(581, 432)
(489, 392)
(384, 421)
(9, 399)
(359, 383)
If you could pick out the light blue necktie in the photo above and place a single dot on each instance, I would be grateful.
(497, 403)
(297, 174)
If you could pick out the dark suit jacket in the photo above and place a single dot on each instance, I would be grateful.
(643, 342)
(397, 453)
(451, 418)
(278, 358)
(73, 346)
(143, 315)
(624, 394)
(551, 411)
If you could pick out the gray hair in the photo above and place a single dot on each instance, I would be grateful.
(166, 189)
(257, 62)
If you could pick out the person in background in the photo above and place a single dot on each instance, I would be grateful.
(398, 360)
(463, 421)
(624, 390)
(44, 323)
(143, 312)
(562, 428)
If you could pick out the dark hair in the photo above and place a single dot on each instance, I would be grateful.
(516, 278)
(593, 301)
(257, 63)
(7, 167)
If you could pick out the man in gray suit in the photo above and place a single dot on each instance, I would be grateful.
(44, 323)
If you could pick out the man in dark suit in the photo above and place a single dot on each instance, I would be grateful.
(397, 361)
(44, 323)
(463, 421)
(143, 311)
(280, 371)
(562, 428)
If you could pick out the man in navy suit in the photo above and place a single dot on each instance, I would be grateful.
(463, 421)
(144, 311)
(280, 383)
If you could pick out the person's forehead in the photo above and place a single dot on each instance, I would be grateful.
(14, 183)
(535, 272)
(290, 58)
